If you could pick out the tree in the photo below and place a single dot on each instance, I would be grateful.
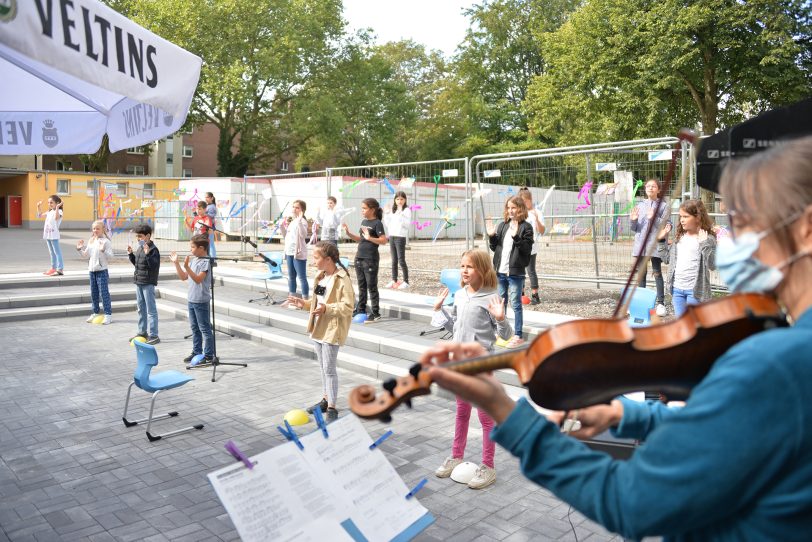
(501, 56)
(258, 56)
(357, 111)
(620, 69)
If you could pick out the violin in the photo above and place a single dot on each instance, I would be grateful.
(586, 362)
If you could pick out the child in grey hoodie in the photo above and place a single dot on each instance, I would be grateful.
(478, 314)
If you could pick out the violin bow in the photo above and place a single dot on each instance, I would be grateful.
(641, 261)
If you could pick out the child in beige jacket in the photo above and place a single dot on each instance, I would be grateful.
(329, 323)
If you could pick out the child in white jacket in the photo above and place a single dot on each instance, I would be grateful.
(397, 223)
(98, 251)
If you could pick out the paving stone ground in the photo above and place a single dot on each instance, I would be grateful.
(70, 470)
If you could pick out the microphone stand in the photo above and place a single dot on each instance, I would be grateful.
(216, 361)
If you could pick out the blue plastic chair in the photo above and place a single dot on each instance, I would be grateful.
(274, 262)
(450, 278)
(643, 301)
(143, 378)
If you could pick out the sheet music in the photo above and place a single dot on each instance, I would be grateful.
(371, 483)
(292, 494)
(279, 499)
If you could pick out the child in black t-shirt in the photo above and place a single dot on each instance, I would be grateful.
(370, 237)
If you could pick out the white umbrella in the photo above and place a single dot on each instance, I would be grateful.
(73, 70)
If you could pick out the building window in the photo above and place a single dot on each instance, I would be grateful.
(149, 191)
(63, 166)
(63, 187)
(284, 166)
(187, 173)
(135, 150)
(121, 189)
(170, 158)
(188, 151)
(135, 170)
(190, 131)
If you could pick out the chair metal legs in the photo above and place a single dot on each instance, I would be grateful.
(149, 419)
(267, 297)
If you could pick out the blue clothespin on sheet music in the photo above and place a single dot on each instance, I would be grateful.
(290, 434)
(233, 450)
(380, 440)
(416, 488)
(320, 422)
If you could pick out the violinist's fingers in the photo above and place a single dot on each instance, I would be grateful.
(445, 351)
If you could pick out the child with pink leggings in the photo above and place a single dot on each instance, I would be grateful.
(477, 314)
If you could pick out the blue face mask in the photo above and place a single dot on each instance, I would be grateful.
(141, 242)
(741, 271)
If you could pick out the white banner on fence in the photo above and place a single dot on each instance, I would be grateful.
(451, 173)
(492, 173)
(654, 156)
(606, 166)
(624, 181)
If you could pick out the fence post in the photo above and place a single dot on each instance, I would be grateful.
(594, 223)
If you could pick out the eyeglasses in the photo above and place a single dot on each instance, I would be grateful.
(320, 290)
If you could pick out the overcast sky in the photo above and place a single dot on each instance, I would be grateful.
(437, 24)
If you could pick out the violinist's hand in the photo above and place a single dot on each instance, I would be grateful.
(594, 420)
(702, 236)
(440, 299)
(173, 256)
(483, 390)
(320, 309)
(635, 214)
(80, 244)
(496, 306)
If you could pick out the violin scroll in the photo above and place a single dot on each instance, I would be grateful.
(366, 403)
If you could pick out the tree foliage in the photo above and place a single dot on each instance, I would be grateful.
(257, 56)
(621, 69)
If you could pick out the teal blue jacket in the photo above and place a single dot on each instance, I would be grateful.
(734, 464)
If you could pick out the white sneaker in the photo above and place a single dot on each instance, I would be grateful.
(484, 477)
(403, 286)
(660, 309)
(444, 470)
(390, 284)
(90, 318)
(108, 319)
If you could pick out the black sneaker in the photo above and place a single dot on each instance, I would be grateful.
(374, 318)
(321, 405)
(534, 300)
(332, 415)
(153, 340)
(208, 359)
(142, 335)
(188, 358)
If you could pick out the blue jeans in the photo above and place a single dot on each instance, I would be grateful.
(681, 299)
(297, 268)
(200, 322)
(212, 250)
(510, 289)
(147, 311)
(56, 254)
(100, 291)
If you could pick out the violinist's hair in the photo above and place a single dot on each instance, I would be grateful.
(525, 193)
(695, 208)
(781, 175)
(330, 251)
(519, 203)
(481, 262)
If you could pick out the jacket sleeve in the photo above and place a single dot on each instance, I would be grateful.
(346, 300)
(504, 329)
(108, 248)
(708, 250)
(153, 259)
(493, 240)
(131, 256)
(523, 240)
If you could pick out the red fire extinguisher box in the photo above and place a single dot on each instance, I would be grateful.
(14, 211)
